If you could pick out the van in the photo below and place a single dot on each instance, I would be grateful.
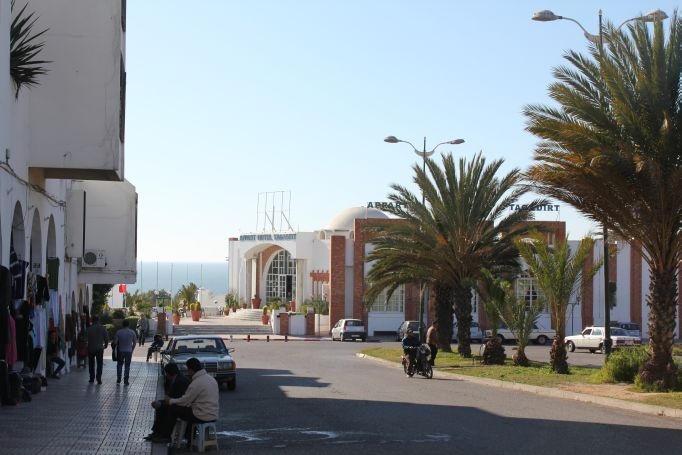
(632, 328)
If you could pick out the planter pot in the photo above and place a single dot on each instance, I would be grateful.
(196, 315)
(176, 319)
(255, 303)
(243, 306)
(234, 309)
(265, 319)
(226, 311)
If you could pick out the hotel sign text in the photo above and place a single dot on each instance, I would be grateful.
(539, 208)
(267, 237)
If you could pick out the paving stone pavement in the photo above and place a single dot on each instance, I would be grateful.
(75, 417)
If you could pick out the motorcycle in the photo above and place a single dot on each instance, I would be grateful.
(422, 365)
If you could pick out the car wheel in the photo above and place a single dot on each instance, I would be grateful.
(231, 385)
(501, 338)
(570, 346)
(592, 351)
(542, 340)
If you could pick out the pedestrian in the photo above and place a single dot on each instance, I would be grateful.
(125, 344)
(98, 340)
(176, 385)
(142, 329)
(53, 348)
(432, 341)
(198, 404)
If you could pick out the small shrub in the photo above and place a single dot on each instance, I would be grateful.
(133, 321)
(624, 364)
(118, 314)
(105, 319)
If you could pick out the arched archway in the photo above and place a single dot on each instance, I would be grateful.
(51, 259)
(280, 278)
(18, 234)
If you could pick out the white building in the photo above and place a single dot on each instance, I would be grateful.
(67, 215)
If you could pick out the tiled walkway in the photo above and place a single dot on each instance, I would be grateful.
(75, 417)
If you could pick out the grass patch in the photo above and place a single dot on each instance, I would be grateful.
(668, 400)
(538, 373)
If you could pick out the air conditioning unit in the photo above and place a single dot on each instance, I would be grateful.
(94, 259)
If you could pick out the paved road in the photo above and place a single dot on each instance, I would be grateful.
(308, 397)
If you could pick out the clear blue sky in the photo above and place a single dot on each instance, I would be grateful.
(227, 99)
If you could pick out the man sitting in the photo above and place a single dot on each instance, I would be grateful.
(199, 402)
(176, 385)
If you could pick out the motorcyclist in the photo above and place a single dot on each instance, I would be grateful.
(410, 345)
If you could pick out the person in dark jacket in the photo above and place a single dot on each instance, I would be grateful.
(176, 385)
(53, 348)
(410, 345)
(98, 340)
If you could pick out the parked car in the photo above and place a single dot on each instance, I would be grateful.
(632, 328)
(349, 329)
(400, 331)
(538, 335)
(475, 332)
(592, 339)
(211, 351)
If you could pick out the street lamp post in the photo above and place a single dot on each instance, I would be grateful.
(424, 154)
(653, 16)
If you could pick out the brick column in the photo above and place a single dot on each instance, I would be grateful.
(636, 282)
(284, 323)
(310, 324)
(337, 279)
(586, 299)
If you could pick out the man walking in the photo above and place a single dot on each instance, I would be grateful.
(98, 340)
(432, 341)
(125, 344)
(142, 329)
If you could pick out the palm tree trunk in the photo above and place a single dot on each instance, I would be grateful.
(557, 355)
(660, 372)
(463, 313)
(440, 307)
(520, 358)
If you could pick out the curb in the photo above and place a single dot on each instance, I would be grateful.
(554, 393)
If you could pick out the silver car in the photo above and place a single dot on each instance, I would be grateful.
(211, 351)
(475, 332)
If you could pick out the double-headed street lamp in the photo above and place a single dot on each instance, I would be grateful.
(653, 16)
(424, 154)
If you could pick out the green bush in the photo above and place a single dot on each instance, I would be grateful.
(118, 314)
(105, 319)
(624, 364)
(111, 331)
(133, 321)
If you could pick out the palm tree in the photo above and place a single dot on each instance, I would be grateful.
(558, 274)
(460, 228)
(494, 292)
(617, 132)
(188, 293)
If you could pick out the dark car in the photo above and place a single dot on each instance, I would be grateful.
(400, 332)
(211, 351)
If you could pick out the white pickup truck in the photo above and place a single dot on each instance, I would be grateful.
(538, 335)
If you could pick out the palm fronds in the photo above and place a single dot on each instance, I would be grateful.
(25, 65)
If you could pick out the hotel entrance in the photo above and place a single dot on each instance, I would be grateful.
(281, 277)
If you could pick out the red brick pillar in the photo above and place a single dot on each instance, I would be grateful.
(586, 299)
(337, 279)
(310, 324)
(284, 323)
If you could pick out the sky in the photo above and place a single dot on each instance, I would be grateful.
(231, 99)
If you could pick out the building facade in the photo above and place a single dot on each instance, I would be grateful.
(67, 215)
(329, 264)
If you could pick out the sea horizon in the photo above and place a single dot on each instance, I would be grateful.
(171, 275)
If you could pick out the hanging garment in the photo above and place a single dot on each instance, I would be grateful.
(42, 294)
(54, 304)
(11, 349)
(5, 302)
(18, 269)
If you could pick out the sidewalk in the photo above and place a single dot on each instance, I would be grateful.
(75, 417)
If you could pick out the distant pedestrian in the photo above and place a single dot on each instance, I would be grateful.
(432, 341)
(142, 329)
(125, 344)
(98, 340)
(53, 348)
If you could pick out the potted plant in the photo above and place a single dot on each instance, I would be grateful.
(265, 318)
(117, 317)
(195, 309)
(255, 302)
(231, 302)
(176, 313)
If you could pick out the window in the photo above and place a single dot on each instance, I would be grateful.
(281, 278)
(526, 288)
(395, 304)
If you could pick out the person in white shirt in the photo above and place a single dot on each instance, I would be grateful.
(200, 401)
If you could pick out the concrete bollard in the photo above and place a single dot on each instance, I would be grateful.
(268, 338)
(248, 337)
(286, 337)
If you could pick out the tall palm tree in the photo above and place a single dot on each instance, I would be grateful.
(188, 293)
(558, 274)
(618, 131)
(463, 225)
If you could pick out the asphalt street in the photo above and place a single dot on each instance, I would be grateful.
(307, 397)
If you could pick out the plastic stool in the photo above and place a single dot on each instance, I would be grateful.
(178, 433)
(203, 435)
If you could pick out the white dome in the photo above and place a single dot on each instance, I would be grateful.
(343, 221)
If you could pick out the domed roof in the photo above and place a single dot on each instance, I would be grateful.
(343, 221)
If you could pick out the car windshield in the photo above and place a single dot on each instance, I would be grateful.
(353, 323)
(195, 345)
(618, 331)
